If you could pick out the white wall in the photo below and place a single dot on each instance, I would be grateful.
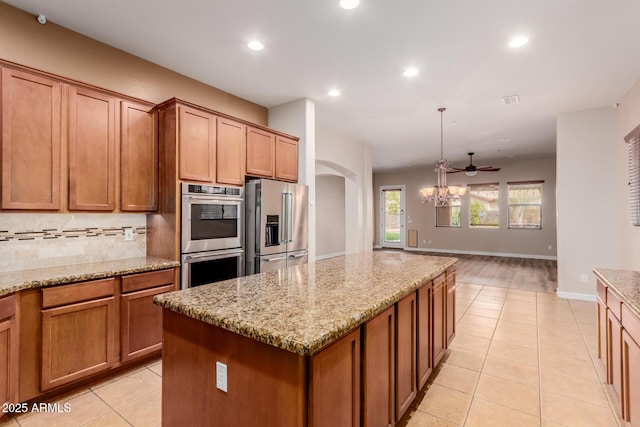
(351, 159)
(330, 223)
(589, 197)
(628, 119)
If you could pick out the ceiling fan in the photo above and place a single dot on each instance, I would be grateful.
(472, 170)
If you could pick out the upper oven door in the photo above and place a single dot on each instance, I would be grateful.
(210, 223)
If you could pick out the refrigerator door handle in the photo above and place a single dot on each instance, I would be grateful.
(289, 217)
(283, 219)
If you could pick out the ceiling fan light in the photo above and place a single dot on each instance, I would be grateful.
(471, 173)
(427, 192)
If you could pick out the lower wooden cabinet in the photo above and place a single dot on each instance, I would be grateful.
(451, 305)
(406, 389)
(439, 318)
(379, 370)
(140, 318)
(614, 371)
(78, 338)
(334, 397)
(8, 351)
(602, 333)
(424, 320)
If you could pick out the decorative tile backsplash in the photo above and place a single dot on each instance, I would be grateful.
(40, 240)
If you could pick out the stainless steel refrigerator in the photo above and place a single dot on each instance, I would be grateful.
(277, 225)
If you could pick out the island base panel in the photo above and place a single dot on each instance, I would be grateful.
(266, 385)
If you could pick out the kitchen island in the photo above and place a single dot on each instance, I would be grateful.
(305, 345)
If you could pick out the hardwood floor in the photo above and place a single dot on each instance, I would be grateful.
(528, 274)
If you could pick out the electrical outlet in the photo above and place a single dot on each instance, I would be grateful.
(128, 234)
(584, 278)
(221, 376)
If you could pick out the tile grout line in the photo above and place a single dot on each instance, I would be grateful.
(112, 408)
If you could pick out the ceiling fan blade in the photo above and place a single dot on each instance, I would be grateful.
(455, 171)
(488, 169)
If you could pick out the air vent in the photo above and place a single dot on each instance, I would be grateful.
(510, 100)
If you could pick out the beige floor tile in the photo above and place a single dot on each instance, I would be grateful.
(488, 414)
(511, 370)
(476, 331)
(572, 335)
(112, 419)
(422, 419)
(465, 359)
(571, 412)
(530, 294)
(456, 378)
(519, 318)
(446, 403)
(569, 385)
(564, 349)
(510, 394)
(479, 320)
(584, 369)
(119, 393)
(9, 422)
(513, 352)
(517, 328)
(487, 305)
(484, 312)
(471, 343)
(156, 367)
(145, 411)
(83, 408)
(516, 338)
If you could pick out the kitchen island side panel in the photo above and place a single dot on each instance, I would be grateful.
(266, 384)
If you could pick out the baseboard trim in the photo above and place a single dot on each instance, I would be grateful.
(573, 295)
(377, 247)
(501, 254)
(333, 255)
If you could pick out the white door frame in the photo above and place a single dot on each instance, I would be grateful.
(403, 224)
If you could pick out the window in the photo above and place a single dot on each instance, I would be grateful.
(525, 204)
(484, 209)
(633, 139)
(448, 215)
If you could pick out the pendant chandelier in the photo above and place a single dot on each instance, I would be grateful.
(441, 194)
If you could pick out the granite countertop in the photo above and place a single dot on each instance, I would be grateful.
(14, 281)
(625, 283)
(301, 309)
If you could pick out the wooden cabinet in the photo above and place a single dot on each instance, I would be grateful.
(614, 371)
(230, 149)
(31, 108)
(9, 338)
(439, 318)
(334, 396)
(92, 152)
(260, 152)
(602, 323)
(451, 305)
(286, 162)
(631, 379)
(138, 158)
(405, 353)
(140, 318)
(379, 370)
(78, 331)
(424, 321)
(197, 144)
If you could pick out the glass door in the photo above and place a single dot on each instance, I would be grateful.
(392, 218)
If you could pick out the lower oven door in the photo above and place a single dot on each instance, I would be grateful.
(203, 268)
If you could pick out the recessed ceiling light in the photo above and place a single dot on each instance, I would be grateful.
(410, 72)
(334, 92)
(255, 45)
(518, 41)
(349, 4)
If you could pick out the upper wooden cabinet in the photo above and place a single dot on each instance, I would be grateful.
(230, 152)
(31, 107)
(138, 158)
(197, 144)
(92, 152)
(286, 159)
(260, 152)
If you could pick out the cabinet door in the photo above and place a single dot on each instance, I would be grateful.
(260, 152)
(614, 341)
(138, 158)
(286, 159)
(451, 305)
(8, 351)
(405, 353)
(92, 150)
(423, 334)
(602, 333)
(197, 144)
(230, 152)
(141, 323)
(439, 319)
(77, 341)
(30, 141)
(631, 379)
(379, 349)
(334, 398)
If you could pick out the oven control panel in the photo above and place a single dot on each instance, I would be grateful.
(211, 189)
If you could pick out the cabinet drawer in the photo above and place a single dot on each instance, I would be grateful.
(70, 294)
(614, 303)
(631, 323)
(7, 307)
(601, 290)
(138, 282)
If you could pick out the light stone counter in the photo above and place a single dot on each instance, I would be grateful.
(625, 283)
(304, 308)
(14, 281)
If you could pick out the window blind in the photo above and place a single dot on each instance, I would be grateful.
(634, 178)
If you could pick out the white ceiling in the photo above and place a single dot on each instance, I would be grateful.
(582, 54)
